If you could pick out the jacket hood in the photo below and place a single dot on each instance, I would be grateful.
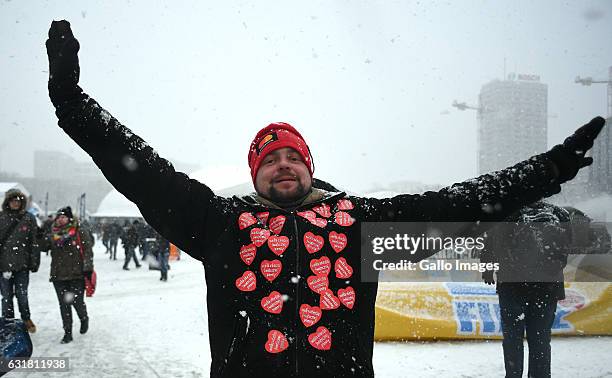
(9, 195)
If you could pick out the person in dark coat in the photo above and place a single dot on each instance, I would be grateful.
(19, 255)
(105, 229)
(283, 272)
(45, 231)
(71, 262)
(115, 232)
(163, 252)
(130, 242)
(531, 249)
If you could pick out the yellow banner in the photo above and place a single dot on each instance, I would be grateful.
(456, 310)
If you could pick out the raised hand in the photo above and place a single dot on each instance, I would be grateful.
(62, 49)
(569, 156)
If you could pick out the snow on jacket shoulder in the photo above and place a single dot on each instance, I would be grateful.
(20, 250)
(284, 290)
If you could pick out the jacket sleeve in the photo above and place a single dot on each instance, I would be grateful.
(183, 210)
(34, 247)
(87, 245)
(487, 198)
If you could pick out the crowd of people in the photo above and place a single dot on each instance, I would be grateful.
(152, 247)
(70, 242)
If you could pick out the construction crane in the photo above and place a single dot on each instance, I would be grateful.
(587, 81)
(464, 106)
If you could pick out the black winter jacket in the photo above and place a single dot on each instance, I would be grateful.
(20, 250)
(283, 287)
(531, 248)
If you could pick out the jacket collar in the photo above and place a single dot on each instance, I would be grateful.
(316, 196)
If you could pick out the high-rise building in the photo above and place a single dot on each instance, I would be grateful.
(601, 171)
(512, 121)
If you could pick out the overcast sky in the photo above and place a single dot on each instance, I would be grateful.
(368, 83)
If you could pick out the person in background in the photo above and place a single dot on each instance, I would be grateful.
(163, 252)
(19, 255)
(45, 230)
(105, 229)
(71, 262)
(130, 242)
(531, 250)
(115, 232)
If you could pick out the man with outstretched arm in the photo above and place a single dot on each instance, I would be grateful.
(283, 265)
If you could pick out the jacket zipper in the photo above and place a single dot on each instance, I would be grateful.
(297, 291)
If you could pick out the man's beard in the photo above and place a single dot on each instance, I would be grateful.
(288, 198)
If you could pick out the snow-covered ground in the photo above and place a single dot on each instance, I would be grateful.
(141, 327)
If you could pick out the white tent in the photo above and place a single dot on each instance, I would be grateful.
(115, 205)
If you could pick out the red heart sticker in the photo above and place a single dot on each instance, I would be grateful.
(278, 244)
(342, 268)
(320, 339)
(247, 282)
(328, 300)
(277, 342)
(277, 223)
(259, 236)
(313, 242)
(309, 214)
(247, 253)
(320, 267)
(344, 204)
(263, 217)
(344, 219)
(337, 241)
(318, 284)
(273, 303)
(323, 210)
(319, 222)
(310, 315)
(347, 296)
(271, 269)
(245, 220)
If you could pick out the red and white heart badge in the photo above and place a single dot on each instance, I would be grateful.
(277, 223)
(278, 244)
(318, 284)
(337, 241)
(271, 269)
(246, 282)
(310, 315)
(347, 297)
(321, 267)
(247, 253)
(277, 342)
(259, 236)
(328, 301)
(273, 303)
(245, 220)
(313, 243)
(343, 269)
(321, 339)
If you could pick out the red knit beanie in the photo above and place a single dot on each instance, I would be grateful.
(272, 137)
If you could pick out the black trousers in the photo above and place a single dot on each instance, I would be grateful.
(526, 311)
(113, 249)
(130, 253)
(15, 286)
(71, 293)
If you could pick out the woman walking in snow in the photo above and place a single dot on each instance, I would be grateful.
(71, 262)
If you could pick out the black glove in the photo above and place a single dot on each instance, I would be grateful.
(87, 275)
(62, 49)
(569, 156)
(34, 270)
